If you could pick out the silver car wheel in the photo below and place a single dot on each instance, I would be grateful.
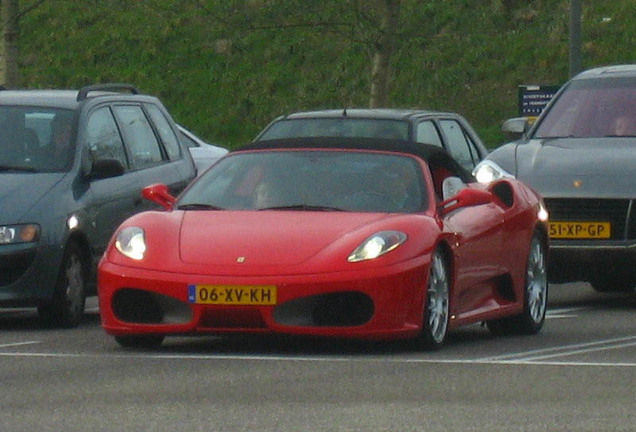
(437, 300)
(536, 282)
(535, 300)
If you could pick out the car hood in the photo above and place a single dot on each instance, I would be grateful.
(589, 167)
(20, 193)
(266, 237)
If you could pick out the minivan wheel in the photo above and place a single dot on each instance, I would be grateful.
(66, 308)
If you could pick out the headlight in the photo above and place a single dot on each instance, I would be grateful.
(377, 245)
(487, 171)
(131, 242)
(542, 212)
(12, 234)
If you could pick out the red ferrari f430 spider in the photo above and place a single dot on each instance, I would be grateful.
(333, 237)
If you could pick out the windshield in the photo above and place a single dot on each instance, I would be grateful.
(337, 127)
(592, 109)
(35, 139)
(310, 180)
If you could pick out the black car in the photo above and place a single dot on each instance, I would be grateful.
(581, 156)
(444, 129)
(72, 166)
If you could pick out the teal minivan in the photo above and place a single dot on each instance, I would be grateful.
(72, 166)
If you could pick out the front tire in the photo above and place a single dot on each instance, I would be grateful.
(436, 306)
(66, 308)
(535, 302)
(614, 279)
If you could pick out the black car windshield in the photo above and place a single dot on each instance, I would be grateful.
(315, 180)
(35, 139)
(592, 108)
(337, 127)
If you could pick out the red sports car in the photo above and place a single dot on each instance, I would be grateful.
(338, 237)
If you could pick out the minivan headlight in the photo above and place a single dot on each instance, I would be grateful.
(22, 233)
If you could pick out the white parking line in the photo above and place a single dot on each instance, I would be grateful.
(563, 313)
(566, 350)
(560, 316)
(14, 344)
(567, 310)
(335, 359)
(583, 351)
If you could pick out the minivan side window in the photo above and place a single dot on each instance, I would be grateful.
(427, 133)
(143, 147)
(170, 140)
(103, 139)
(460, 146)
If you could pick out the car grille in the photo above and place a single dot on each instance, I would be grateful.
(13, 266)
(621, 213)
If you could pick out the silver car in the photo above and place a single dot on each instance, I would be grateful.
(203, 153)
(581, 156)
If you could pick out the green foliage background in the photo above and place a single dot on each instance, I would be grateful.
(226, 68)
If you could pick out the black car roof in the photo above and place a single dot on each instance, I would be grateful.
(434, 155)
(616, 71)
(366, 113)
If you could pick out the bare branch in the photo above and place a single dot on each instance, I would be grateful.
(29, 8)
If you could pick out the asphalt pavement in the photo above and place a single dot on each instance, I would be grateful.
(578, 374)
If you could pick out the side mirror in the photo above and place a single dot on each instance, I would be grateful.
(466, 197)
(516, 127)
(158, 193)
(106, 168)
(451, 186)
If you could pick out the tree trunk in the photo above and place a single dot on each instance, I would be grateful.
(381, 72)
(9, 43)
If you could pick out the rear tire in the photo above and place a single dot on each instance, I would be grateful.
(66, 308)
(535, 301)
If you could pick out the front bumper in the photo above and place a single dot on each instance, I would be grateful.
(28, 272)
(581, 260)
(576, 259)
(377, 303)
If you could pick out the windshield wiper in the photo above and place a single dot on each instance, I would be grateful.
(549, 138)
(303, 207)
(197, 206)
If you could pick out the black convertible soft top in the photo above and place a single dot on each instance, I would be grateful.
(434, 155)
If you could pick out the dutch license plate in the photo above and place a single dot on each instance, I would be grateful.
(580, 230)
(232, 294)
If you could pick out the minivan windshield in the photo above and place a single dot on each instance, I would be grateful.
(35, 139)
(337, 127)
(592, 108)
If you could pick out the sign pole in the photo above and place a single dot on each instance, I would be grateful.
(575, 37)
